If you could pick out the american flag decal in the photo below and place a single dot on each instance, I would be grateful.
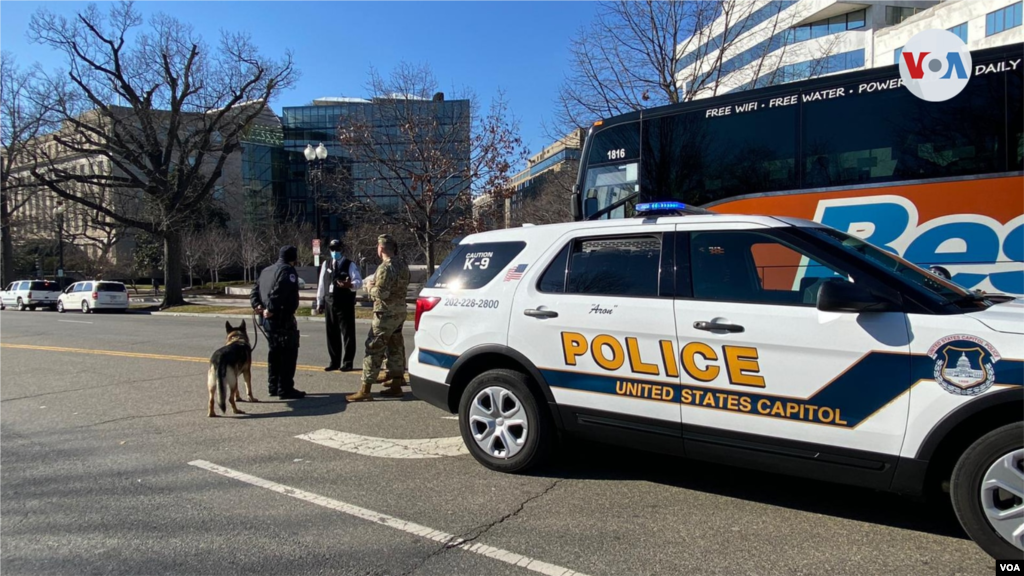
(515, 272)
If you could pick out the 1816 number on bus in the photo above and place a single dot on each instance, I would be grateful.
(617, 154)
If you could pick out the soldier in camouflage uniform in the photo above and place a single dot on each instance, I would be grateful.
(387, 288)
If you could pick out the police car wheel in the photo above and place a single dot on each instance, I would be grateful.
(987, 490)
(501, 422)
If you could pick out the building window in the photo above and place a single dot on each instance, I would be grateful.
(897, 14)
(832, 25)
(218, 192)
(896, 55)
(960, 31)
(1003, 19)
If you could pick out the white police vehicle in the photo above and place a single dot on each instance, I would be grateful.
(772, 343)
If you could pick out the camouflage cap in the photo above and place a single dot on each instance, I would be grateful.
(387, 240)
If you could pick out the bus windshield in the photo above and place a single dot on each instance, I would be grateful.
(607, 190)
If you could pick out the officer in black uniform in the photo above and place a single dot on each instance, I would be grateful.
(276, 297)
(336, 300)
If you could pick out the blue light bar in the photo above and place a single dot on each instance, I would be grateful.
(659, 206)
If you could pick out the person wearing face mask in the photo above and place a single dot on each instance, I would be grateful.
(336, 300)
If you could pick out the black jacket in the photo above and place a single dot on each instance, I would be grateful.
(277, 290)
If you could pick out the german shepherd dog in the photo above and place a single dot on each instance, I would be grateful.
(229, 362)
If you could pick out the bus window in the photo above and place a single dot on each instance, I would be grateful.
(612, 175)
(893, 135)
(699, 160)
(1015, 120)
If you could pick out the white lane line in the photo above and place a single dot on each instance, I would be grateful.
(74, 321)
(388, 447)
(450, 540)
(449, 417)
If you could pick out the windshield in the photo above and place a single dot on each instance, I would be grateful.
(607, 185)
(612, 171)
(937, 286)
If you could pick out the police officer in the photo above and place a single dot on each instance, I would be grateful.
(387, 289)
(336, 299)
(276, 297)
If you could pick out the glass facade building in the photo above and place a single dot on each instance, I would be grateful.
(344, 173)
(263, 174)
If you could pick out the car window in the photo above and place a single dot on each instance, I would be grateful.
(45, 286)
(9, 287)
(20, 286)
(472, 266)
(70, 289)
(553, 279)
(86, 287)
(619, 266)
(746, 266)
(110, 287)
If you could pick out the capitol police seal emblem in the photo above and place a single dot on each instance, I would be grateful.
(964, 364)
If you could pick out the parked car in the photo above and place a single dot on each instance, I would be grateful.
(31, 294)
(94, 295)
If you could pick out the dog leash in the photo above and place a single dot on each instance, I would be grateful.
(259, 328)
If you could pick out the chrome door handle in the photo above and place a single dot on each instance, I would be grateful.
(717, 327)
(538, 313)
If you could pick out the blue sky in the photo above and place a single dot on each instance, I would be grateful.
(520, 47)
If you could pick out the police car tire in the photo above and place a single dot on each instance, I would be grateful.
(966, 485)
(540, 433)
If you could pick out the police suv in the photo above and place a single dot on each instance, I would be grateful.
(771, 343)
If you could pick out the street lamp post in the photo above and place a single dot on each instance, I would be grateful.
(315, 178)
(58, 213)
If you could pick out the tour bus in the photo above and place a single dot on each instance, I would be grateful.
(939, 183)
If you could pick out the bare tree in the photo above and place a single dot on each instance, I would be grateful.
(292, 233)
(183, 108)
(21, 120)
(254, 245)
(649, 53)
(361, 243)
(547, 199)
(426, 158)
(193, 245)
(97, 237)
(220, 250)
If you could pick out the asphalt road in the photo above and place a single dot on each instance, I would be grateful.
(109, 465)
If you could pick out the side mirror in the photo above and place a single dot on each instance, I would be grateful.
(575, 199)
(842, 296)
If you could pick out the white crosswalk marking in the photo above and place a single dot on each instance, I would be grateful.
(388, 447)
(450, 540)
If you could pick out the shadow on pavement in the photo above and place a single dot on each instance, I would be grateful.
(591, 461)
(319, 404)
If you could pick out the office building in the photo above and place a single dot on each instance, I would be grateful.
(348, 174)
(764, 43)
(979, 23)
